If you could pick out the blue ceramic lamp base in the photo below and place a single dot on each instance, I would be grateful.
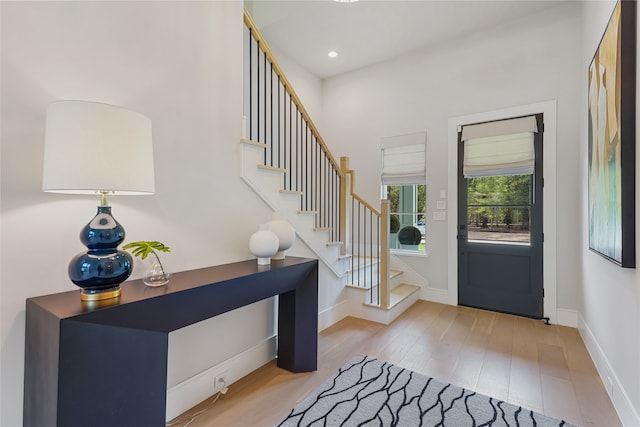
(100, 270)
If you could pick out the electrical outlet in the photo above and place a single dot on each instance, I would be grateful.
(221, 381)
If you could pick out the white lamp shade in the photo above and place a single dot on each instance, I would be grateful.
(92, 147)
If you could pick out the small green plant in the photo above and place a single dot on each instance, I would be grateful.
(143, 248)
(394, 225)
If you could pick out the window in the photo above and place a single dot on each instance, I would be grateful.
(408, 216)
(404, 185)
(499, 160)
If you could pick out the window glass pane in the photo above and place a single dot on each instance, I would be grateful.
(408, 211)
(499, 190)
(499, 225)
(499, 209)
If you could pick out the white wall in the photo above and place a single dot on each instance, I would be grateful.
(609, 298)
(531, 60)
(180, 63)
(306, 85)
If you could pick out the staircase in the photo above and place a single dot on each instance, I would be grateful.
(288, 165)
(267, 183)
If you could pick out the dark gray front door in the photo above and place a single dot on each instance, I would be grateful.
(500, 238)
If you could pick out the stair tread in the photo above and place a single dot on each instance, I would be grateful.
(395, 273)
(365, 287)
(295, 192)
(400, 293)
(404, 289)
(397, 295)
(251, 142)
(359, 263)
(272, 168)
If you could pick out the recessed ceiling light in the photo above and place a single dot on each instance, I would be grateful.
(346, 1)
(332, 54)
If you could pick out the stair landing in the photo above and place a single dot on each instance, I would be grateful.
(401, 292)
(401, 298)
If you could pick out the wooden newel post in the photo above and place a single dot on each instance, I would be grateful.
(344, 167)
(384, 253)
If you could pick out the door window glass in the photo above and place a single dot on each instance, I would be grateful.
(499, 209)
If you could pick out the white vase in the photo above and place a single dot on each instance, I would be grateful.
(285, 232)
(263, 244)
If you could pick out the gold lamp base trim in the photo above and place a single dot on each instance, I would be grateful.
(99, 296)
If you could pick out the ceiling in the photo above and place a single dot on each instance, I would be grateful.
(371, 31)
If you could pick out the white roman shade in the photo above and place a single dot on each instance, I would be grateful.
(404, 159)
(502, 147)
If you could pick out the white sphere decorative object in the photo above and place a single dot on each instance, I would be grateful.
(285, 232)
(264, 244)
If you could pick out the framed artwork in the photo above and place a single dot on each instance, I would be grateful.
(611, 172)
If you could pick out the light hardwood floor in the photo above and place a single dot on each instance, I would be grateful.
(523, 361)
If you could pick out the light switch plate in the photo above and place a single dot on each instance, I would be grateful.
(441, 204)
(439, 216)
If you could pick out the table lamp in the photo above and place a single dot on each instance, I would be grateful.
(103, 150)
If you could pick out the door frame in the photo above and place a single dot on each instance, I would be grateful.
(548, 109)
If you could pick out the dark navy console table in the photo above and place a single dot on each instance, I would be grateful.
(107, 366)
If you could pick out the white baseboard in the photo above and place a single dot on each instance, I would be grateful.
(333, 314)
(567, 317)
(623, 405)
(435, 295)
(194, 390)
(189, 393)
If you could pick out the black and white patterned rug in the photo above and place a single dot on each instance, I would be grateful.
(369, 392)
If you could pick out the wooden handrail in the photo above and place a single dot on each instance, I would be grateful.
(344, 162)
(365, 204)
(278, 70)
